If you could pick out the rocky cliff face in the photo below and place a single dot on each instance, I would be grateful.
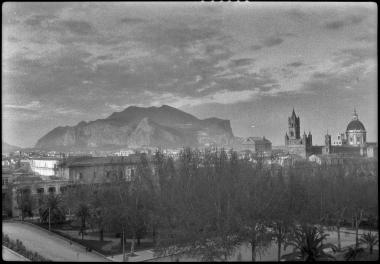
(163, 126)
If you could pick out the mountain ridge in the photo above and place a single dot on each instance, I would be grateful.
(5, 147)
(135, 126)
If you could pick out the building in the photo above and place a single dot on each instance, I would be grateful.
(372, 150)
(102, 169)
(6, 178)
(35, 186)
(45, 167)
(257, 145)
(173, 153)
(62, 169)
(355, 134)
(294, 143)
(351, 143)
(254, 145)
(327, 159)
(125, 152)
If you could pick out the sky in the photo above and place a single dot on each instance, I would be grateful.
(250, 63)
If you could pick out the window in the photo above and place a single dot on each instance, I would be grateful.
(5, 181)
(51, 189)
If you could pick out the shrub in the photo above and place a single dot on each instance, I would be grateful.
(21, 249)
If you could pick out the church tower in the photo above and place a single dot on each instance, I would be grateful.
(327, 147)
(294, 126)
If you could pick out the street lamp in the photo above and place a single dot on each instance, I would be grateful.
(49, 218)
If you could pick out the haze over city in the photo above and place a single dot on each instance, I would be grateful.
(250, 63)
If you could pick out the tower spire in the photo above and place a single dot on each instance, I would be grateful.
(355, 114)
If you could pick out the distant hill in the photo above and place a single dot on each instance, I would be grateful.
(163, 126)
(6, 148)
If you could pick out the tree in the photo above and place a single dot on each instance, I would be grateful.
(83, 213)
(97, 210)
(308, 244)
(142, 191)
(337, 202)
(370, 240)
(352, 253)
(202, 203)
(281, 218)
(7, 201)
(255, 204)
(25, 202)
(52, 208)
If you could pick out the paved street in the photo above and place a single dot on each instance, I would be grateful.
(48, 245)
(10, 255)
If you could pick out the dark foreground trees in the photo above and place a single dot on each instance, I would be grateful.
(206, 204)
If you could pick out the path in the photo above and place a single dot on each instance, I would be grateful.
(47, 244)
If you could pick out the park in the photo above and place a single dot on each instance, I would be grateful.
(211, 207)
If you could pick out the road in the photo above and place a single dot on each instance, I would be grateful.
(47, 244)
(10, 255)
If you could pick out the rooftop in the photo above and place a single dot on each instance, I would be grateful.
(98, 161)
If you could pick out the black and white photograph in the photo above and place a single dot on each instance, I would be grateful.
(193, 131)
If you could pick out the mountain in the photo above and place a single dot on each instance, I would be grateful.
(163, 126)
(6, 148)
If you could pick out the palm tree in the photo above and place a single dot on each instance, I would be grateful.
(369, 239)
(54, 204)
(352, 253)
(308, 245)
(82, 212)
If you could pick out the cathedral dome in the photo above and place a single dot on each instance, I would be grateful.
(355, 125)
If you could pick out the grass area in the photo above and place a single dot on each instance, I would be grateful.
(109, 246)
(18, 247)
(363, 256)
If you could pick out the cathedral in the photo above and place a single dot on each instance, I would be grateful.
(355, 134)
(352, 142)
(294, 143)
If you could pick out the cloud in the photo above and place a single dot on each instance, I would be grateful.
(337, 80)
(351, 56)
(34, 105)
(256, 47)
(38, 20)
(78, 27)
(219, 97)
(132, 20)
(347, 21)
(272, 41)
(242, 62)
(176, 35)
(297, 15)
(65, 111)
(13, 39)
(295, 64)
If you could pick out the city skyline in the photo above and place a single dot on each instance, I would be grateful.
(250, 63)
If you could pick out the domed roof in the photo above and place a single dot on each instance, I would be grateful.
(355, 125)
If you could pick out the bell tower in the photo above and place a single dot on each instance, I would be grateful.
(327, 147)
(294, 126)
